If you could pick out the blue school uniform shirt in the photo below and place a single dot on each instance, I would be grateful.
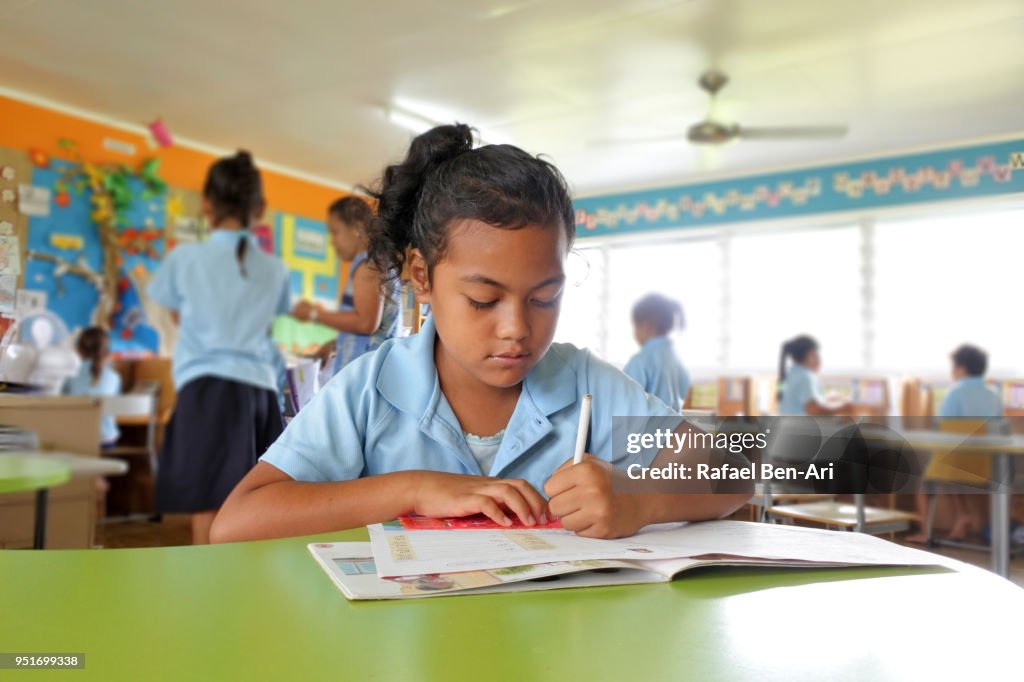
(970, 397)
(350, 346)
(385, 412)
(109, 384)
(659, 371)
(225, 316)
(800, 386)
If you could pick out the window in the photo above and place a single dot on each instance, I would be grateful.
(687, 271)
(801, 282)
(945, 281)
(580, 320)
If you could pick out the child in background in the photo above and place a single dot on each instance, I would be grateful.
(370, 310)
(95, 377)
(968, 397)
(477, 412)
(799, 385)
(656, 367)
(224, 293)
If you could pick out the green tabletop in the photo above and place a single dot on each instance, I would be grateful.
(266, 611)
(21, 473)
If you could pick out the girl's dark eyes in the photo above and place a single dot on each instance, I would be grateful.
(486, 305)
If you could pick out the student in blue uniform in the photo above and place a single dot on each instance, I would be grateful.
(968, 397)
(656, 367)
(478, 412)
(799, 386)
(95, 377)
(370, 312)
(224, 293)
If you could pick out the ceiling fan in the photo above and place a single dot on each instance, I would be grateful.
(714, 132)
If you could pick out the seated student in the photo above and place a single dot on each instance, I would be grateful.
(656, 367)
(799, 386)
(478, 412)
(968, 397)
(95, 377)
(370, 312)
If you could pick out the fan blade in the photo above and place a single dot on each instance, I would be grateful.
(792, 133)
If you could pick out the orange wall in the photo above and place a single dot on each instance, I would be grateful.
(27, 126)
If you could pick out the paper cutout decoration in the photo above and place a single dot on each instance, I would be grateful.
(7, 173)
(28, 301)
(6, 227)
(39, 158)
(161, 133)
(129, 326)
(70, 242)
(10, 256)
(8, 292)
(264, 237)
(8, 196)
(34, 201)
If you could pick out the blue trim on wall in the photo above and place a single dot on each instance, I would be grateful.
(960, 173)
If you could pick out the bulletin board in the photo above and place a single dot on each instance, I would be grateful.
(58, 249)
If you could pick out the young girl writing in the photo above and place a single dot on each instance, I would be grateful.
(478, 412)
(656, 367)
(95, 377)
(370, 310)
(225, 293)
(799, 386)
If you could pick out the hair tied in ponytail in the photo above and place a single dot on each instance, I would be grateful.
(241, 249)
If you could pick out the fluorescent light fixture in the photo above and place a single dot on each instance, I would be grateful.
(411, 122)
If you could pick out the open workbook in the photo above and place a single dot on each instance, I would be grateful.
(398, 563)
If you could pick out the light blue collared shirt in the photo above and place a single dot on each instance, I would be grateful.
(970, 397)
(109, 384)
(800, 387)
(225, 316)
(385, 412)
(657, 368)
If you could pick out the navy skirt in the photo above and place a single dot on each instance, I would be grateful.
(218, 431)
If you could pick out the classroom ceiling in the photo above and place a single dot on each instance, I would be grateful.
(307, 84)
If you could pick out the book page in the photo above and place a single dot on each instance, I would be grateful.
(786, 543)
(351, 566)
(400, 552)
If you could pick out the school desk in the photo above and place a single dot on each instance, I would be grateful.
(65, 424)
(267, 611)
(1002, 450)
(25, 473)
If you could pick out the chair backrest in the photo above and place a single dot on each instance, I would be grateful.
(156, 370)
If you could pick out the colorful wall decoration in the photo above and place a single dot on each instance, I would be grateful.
(79, 175)
(959, 173)
(305, 246)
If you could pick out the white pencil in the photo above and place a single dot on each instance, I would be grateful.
(581, 434)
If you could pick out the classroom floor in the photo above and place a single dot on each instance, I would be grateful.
(174, 530)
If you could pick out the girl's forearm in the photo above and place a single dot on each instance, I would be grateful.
(289, 508)
(351, 321)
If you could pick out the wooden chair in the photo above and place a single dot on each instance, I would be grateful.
(827, 512)
(135, 406)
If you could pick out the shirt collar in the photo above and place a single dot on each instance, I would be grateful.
(408, 377)
(655, 342)
(229, 236)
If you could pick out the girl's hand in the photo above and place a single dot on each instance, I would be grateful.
(439, 494)
(303, 310)
(581, 496)
(325, 352)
